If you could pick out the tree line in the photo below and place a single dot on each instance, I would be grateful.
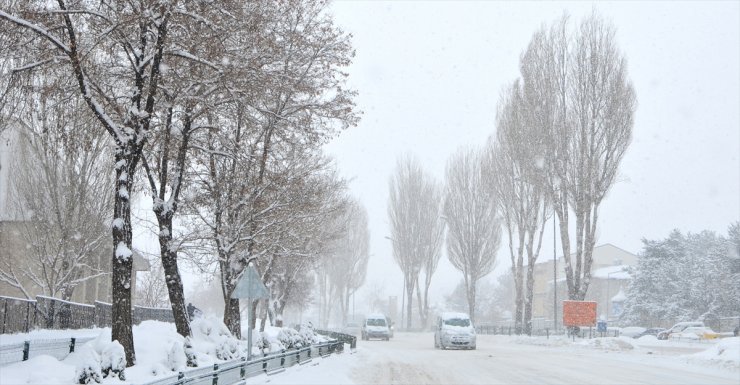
(215, 110)
(562, 129)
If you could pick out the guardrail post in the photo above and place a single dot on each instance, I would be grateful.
(243, 368)
(72, 345)
(26, 348)
(215, 374)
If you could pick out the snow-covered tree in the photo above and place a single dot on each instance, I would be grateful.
(417, 229)
(585, 103)
(514, 163)
(684, 278)
(473, 222)
(61, 193)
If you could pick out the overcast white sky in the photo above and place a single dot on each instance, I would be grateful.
(429, 76)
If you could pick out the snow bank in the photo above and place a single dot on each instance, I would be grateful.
(725, 353)
(609, 343)
(38, 370)
(160, 352)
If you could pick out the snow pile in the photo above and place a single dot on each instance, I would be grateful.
(100, 358)
(41, 369)
(725, 353)
(609, 343)
(213, 338)
(160, 352)
(539, 341)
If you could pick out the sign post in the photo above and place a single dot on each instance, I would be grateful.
(250, 286)
(579, 313)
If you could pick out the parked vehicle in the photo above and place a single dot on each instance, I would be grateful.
(695, 333)
(454, 330)
(631, 331)
(650, 332)
(352, 328)
(677, 328)
(375, 326)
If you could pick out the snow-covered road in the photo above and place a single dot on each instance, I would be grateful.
(411, 358)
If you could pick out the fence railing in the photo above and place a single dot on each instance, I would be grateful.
(23, 351)
(342, 337)
(23, 315)
(231, 372)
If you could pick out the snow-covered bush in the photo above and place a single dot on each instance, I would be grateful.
(113, 360)
(102, 358)
(293, 339)
(88, 369)
(176, 357)
(212, 337)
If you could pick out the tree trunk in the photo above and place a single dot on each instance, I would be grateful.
(409, 296)
(232, 317)
(122, 265)
(471, 299)
(172, 276)
(528, 300)
(420, 301)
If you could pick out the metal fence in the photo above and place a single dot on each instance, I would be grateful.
(57, 348)
(232, 372)
(22, 315)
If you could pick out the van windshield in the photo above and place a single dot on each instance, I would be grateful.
(376, 322)
(457, 322)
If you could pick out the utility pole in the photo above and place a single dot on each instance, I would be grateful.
(554, 274)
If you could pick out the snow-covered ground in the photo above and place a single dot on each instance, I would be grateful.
(159, 351)
(411, 358)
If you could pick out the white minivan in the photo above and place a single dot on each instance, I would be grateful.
(376, 326)
(454, 330)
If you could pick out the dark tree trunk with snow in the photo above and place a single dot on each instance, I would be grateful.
(122, 263)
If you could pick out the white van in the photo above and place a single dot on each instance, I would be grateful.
(454, 330)
(376, 326)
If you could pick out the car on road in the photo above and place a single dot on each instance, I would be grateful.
(454, 330)
(376, 326)
(677, 328)
(631, 331)
(650, 332)
(352, 328)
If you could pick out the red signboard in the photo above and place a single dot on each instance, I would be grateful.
(579, 313)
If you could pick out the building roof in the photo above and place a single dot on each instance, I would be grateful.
(612, 272)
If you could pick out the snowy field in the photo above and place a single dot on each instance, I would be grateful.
(411, 358)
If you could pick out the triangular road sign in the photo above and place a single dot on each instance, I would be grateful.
(250, 286)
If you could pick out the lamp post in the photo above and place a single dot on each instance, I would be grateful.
(554, 274)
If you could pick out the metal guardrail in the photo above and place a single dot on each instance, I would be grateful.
(343, 337)
(227, 373)
(22, 351)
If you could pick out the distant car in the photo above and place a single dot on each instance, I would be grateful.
(677, 328)
(454, 330)
(631, 331)
(650, 332)
(375, 326)
(695, 333)
(352, 328)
